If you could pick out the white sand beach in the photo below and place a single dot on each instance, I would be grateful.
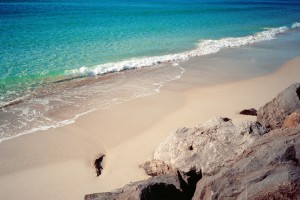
(58, 163)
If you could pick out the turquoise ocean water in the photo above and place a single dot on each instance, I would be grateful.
(47, 42)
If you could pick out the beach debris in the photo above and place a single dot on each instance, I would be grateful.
(272, 114)
(98, 164)
(251, 111)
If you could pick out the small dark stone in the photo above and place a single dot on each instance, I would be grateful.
(251, 111)
(226, 119)
(191, 147)
(98, 165)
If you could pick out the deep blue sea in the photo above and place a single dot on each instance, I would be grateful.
(43, 42)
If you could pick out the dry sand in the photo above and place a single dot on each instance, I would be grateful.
(57, 164)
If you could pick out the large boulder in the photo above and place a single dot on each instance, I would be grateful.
(273, 113)
(208, 147)
(155, 188)
(268, 169)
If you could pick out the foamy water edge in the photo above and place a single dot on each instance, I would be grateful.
(73, 120)
(204, 47)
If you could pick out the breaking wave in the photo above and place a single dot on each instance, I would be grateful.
(204, 47)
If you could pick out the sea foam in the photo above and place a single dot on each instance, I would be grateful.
(204, 47)
(296, 25)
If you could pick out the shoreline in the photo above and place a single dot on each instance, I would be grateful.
(58, 163)
(208, 48)
(65, 155)
(51, 110)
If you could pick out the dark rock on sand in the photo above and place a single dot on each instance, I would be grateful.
(273, 113)
(268, 169)
(251, 111)
(98, 164)
(156, 188)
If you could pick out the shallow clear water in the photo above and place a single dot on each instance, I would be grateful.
(48, 47)
(40, 40)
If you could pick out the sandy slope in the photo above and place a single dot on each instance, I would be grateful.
(57, 164)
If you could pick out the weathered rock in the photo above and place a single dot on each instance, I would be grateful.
(251, 111)
(157, 167)
(268, 169)
(292, 121)
(252, 128)
(273, 113)
(155, 188)
(208, 147)
(189, 181)
(98, 164)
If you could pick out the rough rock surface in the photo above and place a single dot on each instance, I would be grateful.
(218, 160)
(157, 167)
(268, 169)
(155, 188)
(292, 121)
(251, 111)
(273, 113)
(207, 147)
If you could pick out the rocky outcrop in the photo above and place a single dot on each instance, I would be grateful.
(273, 113)
(251, 111)
(268, 169)
(219, 160)
(155, 188)
(292, 121)
(207, 147)
(189, 181)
